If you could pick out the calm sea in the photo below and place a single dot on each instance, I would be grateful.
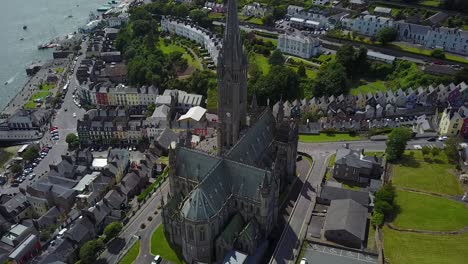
(45, 19)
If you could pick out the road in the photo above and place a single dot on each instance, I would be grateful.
(118, 247)
(291, 238)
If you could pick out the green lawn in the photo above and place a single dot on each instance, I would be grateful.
(160, 246)
(261, 61)
(311, 74)
(331, 161)
(322, 137)
(132, 254)
(371, 239)
(272, 40)
(7, 153)
(323, 57)
(426, 52)
(371, 153)
(426, 175)
(372, 87)
(433, 3)
(427, 212)
(255, 20)
(166, 49)
(411, 248)
(44, 90)
(59, 70)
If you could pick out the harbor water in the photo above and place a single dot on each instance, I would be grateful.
(44, 21)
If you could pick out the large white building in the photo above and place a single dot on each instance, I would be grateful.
(186, 29)
(367, 25)
(302, 46)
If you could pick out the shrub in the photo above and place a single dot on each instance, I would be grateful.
(142, 226)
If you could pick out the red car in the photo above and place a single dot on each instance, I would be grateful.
(53, 128)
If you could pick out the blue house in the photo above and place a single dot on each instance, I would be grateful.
(411, 99)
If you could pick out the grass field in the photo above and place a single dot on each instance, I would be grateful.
(44, 90)
(272, 40)
(166, 49)
(426, 174)
(261, 61)
(425, 52)
(132, 254)
(255, 20)
(411, 248)
(372, 87)
(160, 246)
(327, 138)
(212, 100)
(433, 3)
(7, 153)
(426, 212)
(323, 57)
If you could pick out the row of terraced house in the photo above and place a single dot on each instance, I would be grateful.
(384, 104)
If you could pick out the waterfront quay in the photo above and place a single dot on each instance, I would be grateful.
(33, 85)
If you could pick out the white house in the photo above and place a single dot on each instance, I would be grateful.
(255, 9)
(302, 46)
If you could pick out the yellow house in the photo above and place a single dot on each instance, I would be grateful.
(360, 101)
(450, 123)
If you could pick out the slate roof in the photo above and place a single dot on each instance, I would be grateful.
(166, 137)
(333, 193)
(82, 228)
(232, 229)
(220, 178)
(348, 215)
(253, 144)
(114, 199)
(354, 158)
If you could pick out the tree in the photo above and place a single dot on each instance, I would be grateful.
(112, 230)
(435, 152)
(301, 71)
(280, 81)
(396, 143)
(276, 58)
(354, 61)
(71, 138)
(377, 219)
(462, 75)
(89, 251)
(386, 35)
(200, 17)
(438, 53)
(384, 205)
(426, 150)
(31, 153)
(331, 80)
(451, 149)
(16, 168)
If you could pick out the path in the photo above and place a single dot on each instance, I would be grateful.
(428, 232)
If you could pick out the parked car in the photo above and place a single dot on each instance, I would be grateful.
(157, 260)
(32, 176)
(432, 139)
(15, 184)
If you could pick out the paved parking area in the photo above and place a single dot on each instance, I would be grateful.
(316, 253)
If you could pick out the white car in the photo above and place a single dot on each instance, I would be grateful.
(157, 260)
(74, 114)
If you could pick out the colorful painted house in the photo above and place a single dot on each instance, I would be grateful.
(450, 123)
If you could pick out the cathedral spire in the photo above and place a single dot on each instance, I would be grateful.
(232, 45)
(232, 83)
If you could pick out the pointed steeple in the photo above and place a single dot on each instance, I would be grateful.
(232, 45)
(232, 83)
